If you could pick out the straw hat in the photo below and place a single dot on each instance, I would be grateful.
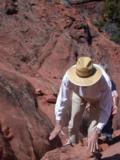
(84, 73)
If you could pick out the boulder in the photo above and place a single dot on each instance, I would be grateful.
(24, 131)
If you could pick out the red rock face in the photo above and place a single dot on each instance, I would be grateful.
(41, 39)
(24, 131)
(80, 151)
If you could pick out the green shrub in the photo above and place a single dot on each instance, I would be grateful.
(112, 11)
(116, 38)
(98, 23)
(109, 21)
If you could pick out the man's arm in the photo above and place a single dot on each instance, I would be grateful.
(62, 100)
(115, 99)
(105, 111)
(105, 108)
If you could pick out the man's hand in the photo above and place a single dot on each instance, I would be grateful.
(55, 131)
(87, 108)
(93, 142)
(114, 110)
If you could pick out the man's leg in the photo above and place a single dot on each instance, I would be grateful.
(108, 131)
(77, 110)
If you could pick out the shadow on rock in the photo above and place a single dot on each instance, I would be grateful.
(116, 139)
(114, 157)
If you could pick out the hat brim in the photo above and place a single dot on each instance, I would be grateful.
(87, 81)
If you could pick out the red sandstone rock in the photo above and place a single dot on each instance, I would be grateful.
(23, 127)
(41, 41)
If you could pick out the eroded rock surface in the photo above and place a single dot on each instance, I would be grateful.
(80, 151)
(24, 131)
(41, 39)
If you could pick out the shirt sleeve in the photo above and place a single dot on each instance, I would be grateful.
(105, 75)
(113, 89)
(63, 97)
(105, 107)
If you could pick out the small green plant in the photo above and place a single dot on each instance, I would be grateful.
(98, 23)
(116, 38)
(109, 21)
(112, 11)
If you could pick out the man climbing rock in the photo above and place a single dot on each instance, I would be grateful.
(82, 83)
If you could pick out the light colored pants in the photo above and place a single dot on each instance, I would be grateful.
(77, 109)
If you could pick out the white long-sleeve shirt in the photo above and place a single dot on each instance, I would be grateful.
(100, 91)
